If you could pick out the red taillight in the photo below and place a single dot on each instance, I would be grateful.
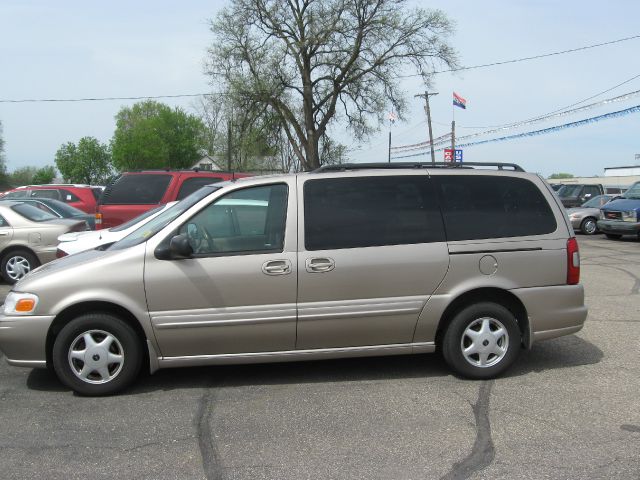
(573, 262)
(98, 221)
(60, 253)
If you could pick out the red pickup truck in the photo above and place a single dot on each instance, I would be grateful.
(133, 193)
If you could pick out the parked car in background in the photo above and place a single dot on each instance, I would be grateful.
(29, 238)
(575, 194)
(60, 209)
(133, 193)
(82, 197)
(75, 242)
(622, 216)
(556, 186)
(585, 217)
(356, 260)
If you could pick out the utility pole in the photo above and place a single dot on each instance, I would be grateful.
(229, 145)
(428, 110)
(453, 136)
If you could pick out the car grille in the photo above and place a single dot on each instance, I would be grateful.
(609, 215)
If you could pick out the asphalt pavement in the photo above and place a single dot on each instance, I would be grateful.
(568, 409)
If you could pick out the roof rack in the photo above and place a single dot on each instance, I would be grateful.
(361, 166)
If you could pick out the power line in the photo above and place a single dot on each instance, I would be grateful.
(153, 97)
(105, 99)
(524, 59)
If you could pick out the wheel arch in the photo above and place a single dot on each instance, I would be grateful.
(18, 248)
(486, 294)
(74, 311)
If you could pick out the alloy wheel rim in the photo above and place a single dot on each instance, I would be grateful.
(590, 226)
(96, 357)
(17, 267)
(484, 342)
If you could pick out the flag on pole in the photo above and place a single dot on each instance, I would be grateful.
(458, 101)
(393, 117)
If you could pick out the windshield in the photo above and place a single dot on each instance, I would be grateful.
(633, 192)
(597, 201)
(137, 219)
(32, 213)
(149, 229)
(569, 191)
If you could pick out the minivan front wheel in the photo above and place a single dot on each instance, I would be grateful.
(481, 341)
(97, 354)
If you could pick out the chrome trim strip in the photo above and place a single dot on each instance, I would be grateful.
(558, 332)
(297, 355)
(361, 308)
(218, 317)
(27, 363)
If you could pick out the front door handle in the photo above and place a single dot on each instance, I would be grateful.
(276, 267)
(318, 265)
(4, 234)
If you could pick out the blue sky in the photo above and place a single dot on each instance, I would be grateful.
(78, 49)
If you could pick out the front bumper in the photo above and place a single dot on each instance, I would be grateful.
(618, 227)
(23, 339)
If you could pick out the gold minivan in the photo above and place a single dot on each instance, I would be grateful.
(352, 260)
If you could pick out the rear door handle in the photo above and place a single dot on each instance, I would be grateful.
(319, 265)
(276, 267)
(4, 234)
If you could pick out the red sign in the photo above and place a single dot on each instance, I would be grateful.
(448, 155)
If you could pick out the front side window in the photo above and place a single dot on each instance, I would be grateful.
(247, 220)
(192, 184)
(369, 212)
(478, 207)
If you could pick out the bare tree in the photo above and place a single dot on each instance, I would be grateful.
(313, 61)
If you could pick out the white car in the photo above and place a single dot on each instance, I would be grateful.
(71, 243)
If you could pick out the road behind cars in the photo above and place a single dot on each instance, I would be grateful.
(567, 409)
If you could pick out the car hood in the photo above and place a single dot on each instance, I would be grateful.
(622, 204)
(583, 211)
(86, 235)
(81, 270)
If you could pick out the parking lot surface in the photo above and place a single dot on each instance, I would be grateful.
(568, 409)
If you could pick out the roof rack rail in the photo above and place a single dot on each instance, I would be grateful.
(361, 166)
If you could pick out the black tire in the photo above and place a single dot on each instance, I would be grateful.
(613, 236)
(101, 377)
(456, 338)
(589, 226)
(16, 264)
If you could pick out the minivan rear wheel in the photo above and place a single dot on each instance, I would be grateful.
(97, 354)
(481, 341)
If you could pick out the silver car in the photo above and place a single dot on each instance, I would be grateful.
(28, 237)
(585, 217)
(347, 261)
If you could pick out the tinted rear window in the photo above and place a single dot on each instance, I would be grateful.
(479, 207)
(192, 184)
(143, 189)
(32, 213)
(370, 211)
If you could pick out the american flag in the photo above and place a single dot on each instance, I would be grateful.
(458, 101)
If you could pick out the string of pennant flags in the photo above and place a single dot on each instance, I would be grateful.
(544, 131)
(446, 137)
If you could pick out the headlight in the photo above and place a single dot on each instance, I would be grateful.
(20, 303)
(629, 216)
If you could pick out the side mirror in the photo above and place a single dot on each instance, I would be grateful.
(178, 248)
